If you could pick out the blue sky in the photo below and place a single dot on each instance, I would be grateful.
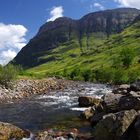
(21, 19)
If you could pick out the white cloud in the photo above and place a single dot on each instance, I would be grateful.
(7, 56)
(129, 3)
(55, 13)
(12, 39)
(98, 5)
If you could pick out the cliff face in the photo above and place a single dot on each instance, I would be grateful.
(52, 34)
(109, 21)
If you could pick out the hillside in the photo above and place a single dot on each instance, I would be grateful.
(88, 49)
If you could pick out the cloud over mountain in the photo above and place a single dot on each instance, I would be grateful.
(55, 13)
(98, 5)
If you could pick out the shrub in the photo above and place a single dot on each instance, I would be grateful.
(133, 75)
(75, 73)
(8, 74)
(127, 55)
(104, 75)
(87, 75)
(120, 76)
(116, 62)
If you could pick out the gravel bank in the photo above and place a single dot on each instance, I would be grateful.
(24, 88)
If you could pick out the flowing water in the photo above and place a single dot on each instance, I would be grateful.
(58, 109)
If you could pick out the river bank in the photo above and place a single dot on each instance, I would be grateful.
(24, 88)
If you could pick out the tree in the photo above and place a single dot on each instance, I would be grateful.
(127, 55)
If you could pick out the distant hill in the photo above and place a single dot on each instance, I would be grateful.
(93, 44)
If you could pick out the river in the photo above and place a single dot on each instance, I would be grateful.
(57, 109)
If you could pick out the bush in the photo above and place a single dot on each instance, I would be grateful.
(8, 74)
(75, 73)
(88, 75)
(127, 55)
(104, 75)
(133, 75)
(120, 76)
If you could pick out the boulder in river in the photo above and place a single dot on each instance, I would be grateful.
(117, 102)
(9, 131)
(130, 102)
(111, 102)
(87, 101)
(122, 89)
(114, 126)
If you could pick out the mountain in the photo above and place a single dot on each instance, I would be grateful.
(52, 34)
(86, 49)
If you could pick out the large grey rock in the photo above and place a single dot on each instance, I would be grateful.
(114, 126)
(129, 102)
(117, 102)
(111, 102)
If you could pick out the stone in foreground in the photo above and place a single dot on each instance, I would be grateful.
(9, 131)
(114, 126)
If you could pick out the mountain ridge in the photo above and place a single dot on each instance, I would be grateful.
(64, 29)
(102, 48)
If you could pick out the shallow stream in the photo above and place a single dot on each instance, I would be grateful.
(57, 110)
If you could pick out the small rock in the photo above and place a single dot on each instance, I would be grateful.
(87, 101)
(71, 135)
(135, 86)
(122, 89)
(88, 113)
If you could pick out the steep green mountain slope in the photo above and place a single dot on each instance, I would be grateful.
(64, 30)
(103, 61)
(90, 50)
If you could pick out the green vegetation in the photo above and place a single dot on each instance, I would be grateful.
(8, 74)
(114, 60)
(127, 56)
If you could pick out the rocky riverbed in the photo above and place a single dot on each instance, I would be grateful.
(48, 109)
